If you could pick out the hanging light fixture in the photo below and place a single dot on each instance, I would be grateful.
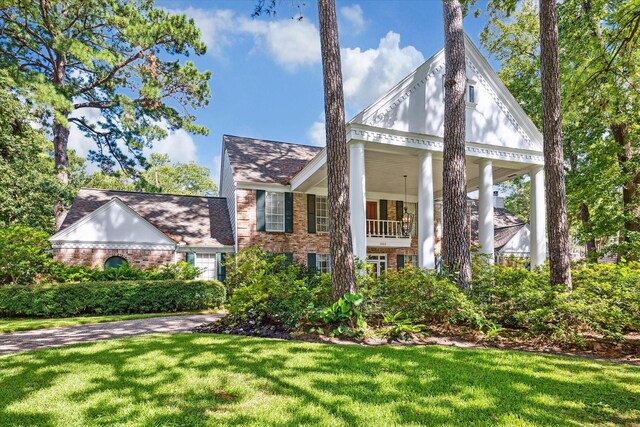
(407, 218)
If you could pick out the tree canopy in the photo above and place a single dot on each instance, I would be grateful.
(107, 67)
(162, 176)
(600, 76)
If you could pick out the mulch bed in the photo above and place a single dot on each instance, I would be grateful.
(595, 347)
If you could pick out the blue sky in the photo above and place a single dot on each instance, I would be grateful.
(267, 76)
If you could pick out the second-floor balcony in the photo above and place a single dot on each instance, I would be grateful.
(387, 233)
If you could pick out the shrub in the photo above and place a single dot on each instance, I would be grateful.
(72, 299)
(62, 273)
(268, 289)
(24, 254)
(420, 295)
(605, 299)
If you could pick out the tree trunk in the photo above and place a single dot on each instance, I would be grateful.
(60, 142)
(343, 276)
(631, 185)
(456, 256)
(559, 245)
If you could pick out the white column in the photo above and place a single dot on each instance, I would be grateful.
(538, 220)
(357, 199)
(485, 210)
(426, 225)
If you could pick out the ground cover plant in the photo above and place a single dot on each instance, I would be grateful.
(198, 380)
(30, 324)
(126, 297)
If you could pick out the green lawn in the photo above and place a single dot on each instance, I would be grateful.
(190, 379)
(13, 325)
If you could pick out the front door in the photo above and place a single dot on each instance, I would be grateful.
(378, 263)
(372, 216)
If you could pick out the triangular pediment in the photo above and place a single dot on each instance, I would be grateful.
(416, 105)
(113, 222)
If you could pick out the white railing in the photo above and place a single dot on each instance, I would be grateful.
(385, 228)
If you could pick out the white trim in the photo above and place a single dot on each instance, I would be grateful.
(309, 169)
(358, 132)
(59, 236)
(388, 242)
(204, 249)
(115, 245)
(276, 188)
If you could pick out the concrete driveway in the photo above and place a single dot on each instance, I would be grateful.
(15, 342)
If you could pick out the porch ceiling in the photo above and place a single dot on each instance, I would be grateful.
(386, 166)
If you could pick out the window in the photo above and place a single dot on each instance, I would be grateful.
(114, 262)
(411, 260)
(206, 263)
(274, 211)
(471, 94)
(323, 263)
(322, 215)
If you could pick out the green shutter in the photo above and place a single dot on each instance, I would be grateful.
(288, 212)
(400, 262)
(383, 216)
(311, 262)
(261, 224)
(191, 258)
(311, 213)
(289, 256)
(222, 270)
(399, 210)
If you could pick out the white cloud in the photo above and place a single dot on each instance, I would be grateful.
(80, 143)
(353, 15)
(371, 73)
(292, 43)
(216, 26)
(178, 145)
(316, 134)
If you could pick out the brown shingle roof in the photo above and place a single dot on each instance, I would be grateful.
(505, 226)
(190, 219)
(270, 162)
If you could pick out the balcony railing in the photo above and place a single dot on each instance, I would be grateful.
(385, 229)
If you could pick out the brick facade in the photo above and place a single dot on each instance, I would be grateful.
(137, 258)
(300, 242)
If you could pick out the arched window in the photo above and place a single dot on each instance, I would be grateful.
(114, 262)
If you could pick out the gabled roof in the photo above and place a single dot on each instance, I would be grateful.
(113, 222)
(266, 162)
(505, 226)
(192, 220)
(415, 105)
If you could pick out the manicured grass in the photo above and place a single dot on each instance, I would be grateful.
(13, 325)
(190, 379)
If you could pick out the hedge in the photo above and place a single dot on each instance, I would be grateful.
(126, 297)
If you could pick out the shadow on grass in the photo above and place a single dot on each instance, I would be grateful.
(226, 380)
